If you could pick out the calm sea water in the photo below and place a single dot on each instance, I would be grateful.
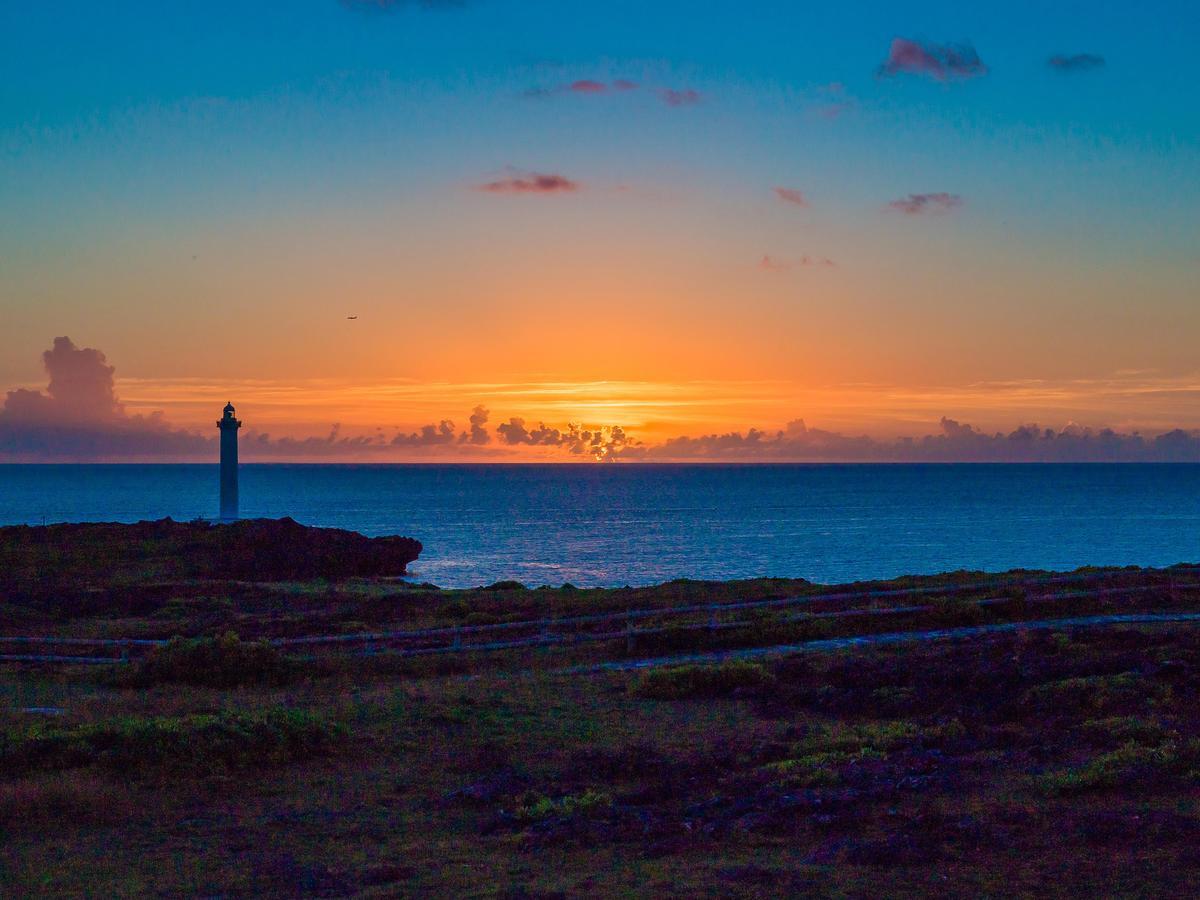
(627, 524)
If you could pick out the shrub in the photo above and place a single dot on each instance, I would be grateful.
(1131, 763)
(212, 662)
(47, 803)
(201, 743)
(536, 808)
(1095, 693)
(717, 680)
(1119, 730)
(507, 585)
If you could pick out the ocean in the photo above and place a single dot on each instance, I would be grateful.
(643, 524)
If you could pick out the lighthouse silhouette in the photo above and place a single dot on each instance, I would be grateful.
(229, 426)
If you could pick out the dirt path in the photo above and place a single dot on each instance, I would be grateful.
(895, 637)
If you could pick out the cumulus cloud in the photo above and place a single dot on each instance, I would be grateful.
(1075, 62)
(790, 195)
(601, 443)
(942, 62)
(684, 97)
(428, 436)
(478, 435)
(531, 183)
(920, 204)
(80, 418)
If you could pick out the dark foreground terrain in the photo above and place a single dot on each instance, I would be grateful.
(984, 736)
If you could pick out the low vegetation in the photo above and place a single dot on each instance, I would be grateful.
(1009, 763)
(697, 681)
(223, 662)
(204, 743)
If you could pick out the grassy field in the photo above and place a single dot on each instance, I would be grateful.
(1060, 760)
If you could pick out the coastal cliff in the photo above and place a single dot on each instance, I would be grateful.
(248, 550)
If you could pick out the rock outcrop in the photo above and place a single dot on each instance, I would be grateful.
(249, 550)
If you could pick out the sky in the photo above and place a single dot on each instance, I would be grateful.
(704, 230)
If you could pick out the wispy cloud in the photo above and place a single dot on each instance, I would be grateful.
(790, 195)
(1075, 62)
(922, 204)
(942, 62)
(770, 264)
(585, 86)
(684, 97)
(531, 183)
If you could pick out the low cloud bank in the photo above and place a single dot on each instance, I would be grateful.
(604, 444)
(954, 442)
(79, 418)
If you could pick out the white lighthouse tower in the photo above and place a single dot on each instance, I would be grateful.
(229, 464)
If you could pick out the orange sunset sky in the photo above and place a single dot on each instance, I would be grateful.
(618, 225)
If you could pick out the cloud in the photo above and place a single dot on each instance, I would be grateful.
(788, 195)
(942, 62)
(774, 264)
(953, 441)
(831, 101)
(478, 435)
(686, 97)
(587, 87)
(601, 443)
(428, 436)
(80, 418)
(1075, 62)
(531, 183)
(921, 204)
(770, 264)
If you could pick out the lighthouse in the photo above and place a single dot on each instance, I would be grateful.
(229, 426)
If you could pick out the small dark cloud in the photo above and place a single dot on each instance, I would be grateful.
(531, 183)
(587, 86)
(770, 264)
(478, 435)
(942, 62)
(923, 204)
(790, 195)
(428, 436)
(1075, 62)
(684, 97)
